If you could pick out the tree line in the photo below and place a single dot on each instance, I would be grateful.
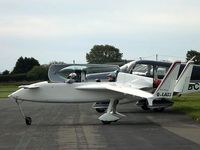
(26, 69)
(29, 69)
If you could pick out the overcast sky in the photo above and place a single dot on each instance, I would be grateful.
(65, 30)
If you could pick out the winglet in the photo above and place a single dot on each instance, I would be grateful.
(28, 86)
(33, 86)
(166, 87)
(184, 78)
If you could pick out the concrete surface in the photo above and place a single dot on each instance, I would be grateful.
(75, 126)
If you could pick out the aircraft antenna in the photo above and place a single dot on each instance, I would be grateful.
(156, 57)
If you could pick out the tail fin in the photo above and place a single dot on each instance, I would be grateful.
(184, 78)
(166, 87)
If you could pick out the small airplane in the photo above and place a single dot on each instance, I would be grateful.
(87, 92)
(155, 70)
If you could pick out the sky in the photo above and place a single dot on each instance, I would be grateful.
(65, 30)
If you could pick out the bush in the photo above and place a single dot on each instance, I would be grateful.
(38, 73)
(13, 77)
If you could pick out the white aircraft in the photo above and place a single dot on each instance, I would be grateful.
(99, 72)
(156, 71)
(84, 92)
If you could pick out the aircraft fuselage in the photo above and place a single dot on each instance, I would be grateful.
(64, 93)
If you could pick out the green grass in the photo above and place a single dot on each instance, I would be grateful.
(8, 88)
(189, 104)
(5, 90)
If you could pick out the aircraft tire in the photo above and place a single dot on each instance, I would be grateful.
(28, 121)
(100, 110)
(106, 122)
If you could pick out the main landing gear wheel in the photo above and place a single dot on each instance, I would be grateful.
(28, 121)
(100, 110)
(106, 122)
(111, 115)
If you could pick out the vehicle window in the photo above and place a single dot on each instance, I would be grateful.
(160, 72)
(143, 70)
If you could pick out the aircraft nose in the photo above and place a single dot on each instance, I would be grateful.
(14, 95)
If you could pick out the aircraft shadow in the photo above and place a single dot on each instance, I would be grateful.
(120, 123)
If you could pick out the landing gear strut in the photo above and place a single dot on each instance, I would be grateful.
(111, 115)
(28, 120)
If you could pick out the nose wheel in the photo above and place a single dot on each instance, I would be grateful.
(28, 120)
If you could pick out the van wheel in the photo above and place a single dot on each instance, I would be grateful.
(145, 107)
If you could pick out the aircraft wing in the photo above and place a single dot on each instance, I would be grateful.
(117, 87)
(164, 90)
(128, 90)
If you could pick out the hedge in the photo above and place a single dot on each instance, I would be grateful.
(13, 77)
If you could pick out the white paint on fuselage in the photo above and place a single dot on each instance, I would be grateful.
(64, 93)
(75, 93)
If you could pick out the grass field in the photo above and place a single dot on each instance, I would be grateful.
(5, 90)
(189, 104)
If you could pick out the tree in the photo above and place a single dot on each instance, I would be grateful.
(103, 54)
(23, 65)
(6, 72)
(192, 53)
(38, 73)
